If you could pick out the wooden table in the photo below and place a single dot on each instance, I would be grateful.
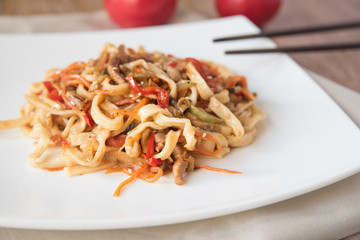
(340, 66)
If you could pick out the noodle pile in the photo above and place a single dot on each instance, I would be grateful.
(143, 114)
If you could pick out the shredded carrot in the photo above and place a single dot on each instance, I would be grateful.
(127, 112)
(244, 86)
(53, 169)
(72, 67)
(247, 94)
(136, 109)
(150, 178)
(141, 104)
(80, 78)
(216, 169)
(207, 136)
(128, 171)
(153, 176)
(53, 76)
(234, 80)
(113, 170)
(129, 180)
(73, 82)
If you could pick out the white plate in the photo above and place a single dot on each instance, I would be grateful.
(307, 141)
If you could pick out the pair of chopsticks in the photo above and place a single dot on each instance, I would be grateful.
(294, 32)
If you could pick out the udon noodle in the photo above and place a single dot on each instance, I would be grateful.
(140, 113)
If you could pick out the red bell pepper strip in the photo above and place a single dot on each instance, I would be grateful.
(88, 119)
(117, 141)
(162, 96)
(150, 151)
(133, 84)
(199, 67)
(172, 64)
(48, 85)
(53, 92)
(55, 96)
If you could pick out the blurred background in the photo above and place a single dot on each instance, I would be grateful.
(340, 66)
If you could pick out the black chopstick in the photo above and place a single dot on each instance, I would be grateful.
(297, 49)
(293, 31)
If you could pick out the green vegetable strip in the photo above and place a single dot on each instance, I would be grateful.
(204, 115)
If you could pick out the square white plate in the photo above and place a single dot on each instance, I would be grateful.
(306, 143)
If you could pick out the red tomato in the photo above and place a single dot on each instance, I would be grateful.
(139, 13)
(258, 11)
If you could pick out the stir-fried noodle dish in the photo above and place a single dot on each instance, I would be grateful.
(143, 114)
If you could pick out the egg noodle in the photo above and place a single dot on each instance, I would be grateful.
(143, 114)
